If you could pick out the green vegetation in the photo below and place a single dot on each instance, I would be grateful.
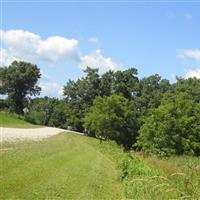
(149, 114)
(113, 118)
(18, 81)
(47, 111)
(155, 116)
(173, 127)
(147, 177)
(70, 166)
(66, 166)
(13, 120)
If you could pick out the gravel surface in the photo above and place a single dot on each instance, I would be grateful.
(9, 134)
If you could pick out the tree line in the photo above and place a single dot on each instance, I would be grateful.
(148, 114)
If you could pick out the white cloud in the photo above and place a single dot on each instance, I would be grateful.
(20, 44)
(93, 40)
(50, 89)
(193, 73)
(5, 58)
(60, 92)
(97, 60)
(188, 17)
(57, 48)
(24, 45)
(27, 46)
(189, 53)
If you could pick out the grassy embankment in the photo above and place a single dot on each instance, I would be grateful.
(66, 166)
(69, 166)
(14, 121)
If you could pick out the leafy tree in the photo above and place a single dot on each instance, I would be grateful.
(40, 110)
(190, 86)
(18, 81)
(80, 95)
(150, 92)
(59, 115)
(113, 118)
(172, 128)
(107, 84)
(125, 82)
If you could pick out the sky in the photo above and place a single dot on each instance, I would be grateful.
(64, 37)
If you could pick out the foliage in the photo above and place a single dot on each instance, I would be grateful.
(3, 104)
(17, 81)
(59, 115)
(149, 114)
(40, 110)
(173, 127)
(155, 178)
(80, 95)
(125, 82)
(150, 92)
(47, 111)
(190, 86)
(113, 118)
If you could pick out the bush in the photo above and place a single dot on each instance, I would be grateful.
(35, 117)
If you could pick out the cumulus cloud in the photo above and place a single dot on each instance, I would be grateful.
(97, 60)
(24, 45)
(57, 48)
(193, 73)
(189, 53)
(192, 54)
(5, 58)
(51, 89)
(27, 46)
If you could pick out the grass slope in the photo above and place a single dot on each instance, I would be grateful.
(12, 120)
(69, 166)
(66, 166)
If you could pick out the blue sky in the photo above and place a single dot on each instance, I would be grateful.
(63, 37)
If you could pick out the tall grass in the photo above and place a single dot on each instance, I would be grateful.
(153, 178)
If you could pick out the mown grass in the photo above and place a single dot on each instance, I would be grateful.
(66, 166)
(69, 166)
(14, 121)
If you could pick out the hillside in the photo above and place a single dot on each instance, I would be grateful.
(66, 166)
(70, 166)
(13, 120)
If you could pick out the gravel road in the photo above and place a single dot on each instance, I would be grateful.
(10, 134)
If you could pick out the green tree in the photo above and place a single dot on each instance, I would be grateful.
(80, 95)
(125, 83)
(113, 118)
(58, 117)
(41, 110)
(150, 92)
(173, 127)
(18, 81)
(107, 84)
(190, 86)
